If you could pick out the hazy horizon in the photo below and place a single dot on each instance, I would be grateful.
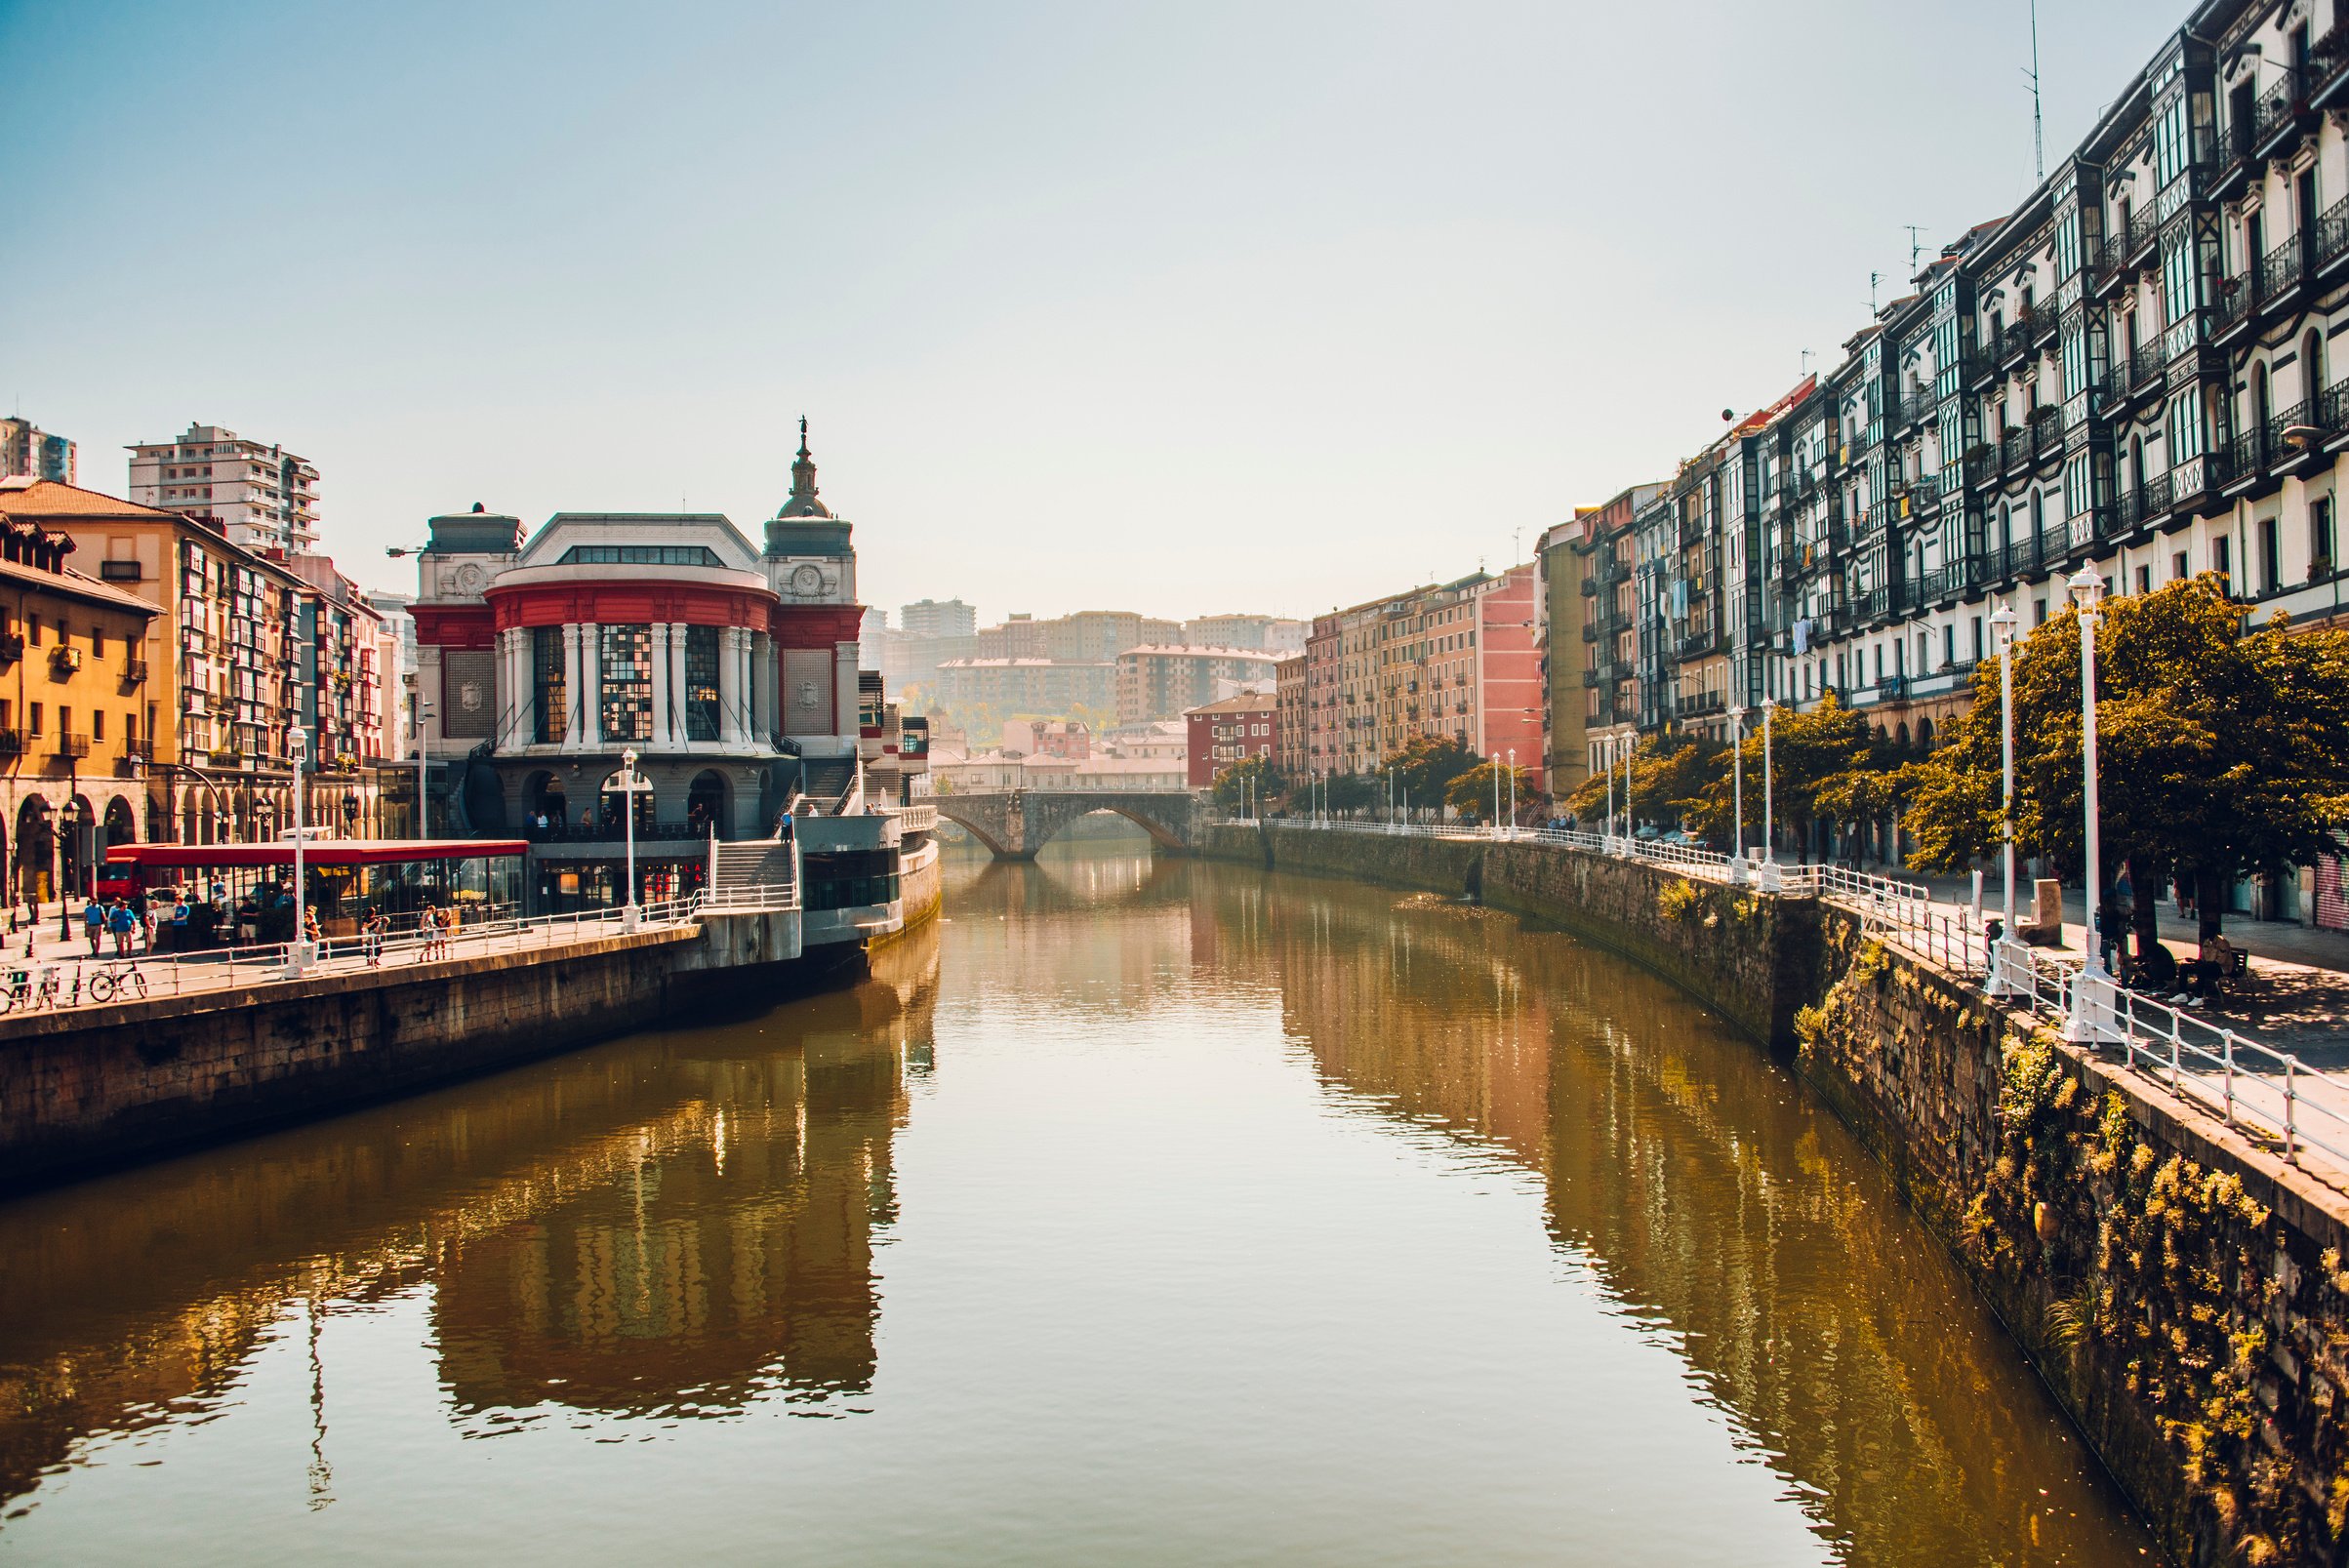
(1287, 306)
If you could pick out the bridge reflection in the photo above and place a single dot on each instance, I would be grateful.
(677, 1226)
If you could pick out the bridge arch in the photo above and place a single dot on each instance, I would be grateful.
(1015, 824)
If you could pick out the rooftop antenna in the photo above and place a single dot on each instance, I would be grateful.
(1916, 249)
(1806, 359)
(2038, 150)
(1874, 278)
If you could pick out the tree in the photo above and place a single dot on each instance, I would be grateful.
(1345, 792)
(1427, 765)
(1249, 779)
(1671, 776)
(2221, 752)
(1472, 793)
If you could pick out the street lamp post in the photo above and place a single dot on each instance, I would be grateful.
(2002, 626)
(630, 915)
(1769, 824)
(1609, 763)
(1513, 792)
(1737, 791)
(424, 710)
(2093, 994)
(1496, 794)
(298, 951)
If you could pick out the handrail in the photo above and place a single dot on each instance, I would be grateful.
(261, 963)
(2253, 1087)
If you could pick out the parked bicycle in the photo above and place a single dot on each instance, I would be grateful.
(117, 979)
(31, 988)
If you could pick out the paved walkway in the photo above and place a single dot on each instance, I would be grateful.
(173, 975)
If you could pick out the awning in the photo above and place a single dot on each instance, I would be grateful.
(315, 851)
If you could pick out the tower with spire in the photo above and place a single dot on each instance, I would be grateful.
(809, 557)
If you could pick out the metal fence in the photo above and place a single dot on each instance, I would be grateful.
(2252, 1086)
(36, 984)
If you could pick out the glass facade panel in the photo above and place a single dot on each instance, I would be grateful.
(549, 683)
(701, 683)
(625, 660)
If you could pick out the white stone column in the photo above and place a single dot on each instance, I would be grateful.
(679, 691)
(513, 695)
(844, 690)
(570, 731)
(586, 689)
(730, 685)
(662, 696)
(764, 720)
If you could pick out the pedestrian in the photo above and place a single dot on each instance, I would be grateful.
(121, 922)
(427, 932)
(309, 926)
(94, 923)
(370, 937)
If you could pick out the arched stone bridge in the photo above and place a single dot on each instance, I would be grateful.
(1016, 822)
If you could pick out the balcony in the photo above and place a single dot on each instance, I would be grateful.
(1891, 688)
(12, 647)
(2282, 272)
(2233, 309)
(2015, 450)
(14, 742)
(2332, 236)
(72, 746)
(133, 672)
(2280, 115)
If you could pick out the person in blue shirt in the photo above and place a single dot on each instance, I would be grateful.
(94, 923)
(122, 922)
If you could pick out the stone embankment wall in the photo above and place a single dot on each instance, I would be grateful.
(2182, 1291)
(80, 1090)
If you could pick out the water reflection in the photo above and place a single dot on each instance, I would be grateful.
(672, 1224)
(1244, 1216)
(1723, 1206)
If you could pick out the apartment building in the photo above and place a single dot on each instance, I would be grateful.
(938, 618)
(2133, 370)
(264, 497)
(76, 705)
(30, 452)
(1030, 685)
(1289, 683)
(1264, 635)
(1460, 659)
(1162, 682)
(1225, 733)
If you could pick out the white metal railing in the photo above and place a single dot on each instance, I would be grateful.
(2250, 1085)
(66, 980)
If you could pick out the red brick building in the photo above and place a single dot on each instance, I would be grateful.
(1230, 731)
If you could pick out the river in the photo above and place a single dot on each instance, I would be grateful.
(1136, 1211)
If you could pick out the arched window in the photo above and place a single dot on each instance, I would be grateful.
(2311, 367)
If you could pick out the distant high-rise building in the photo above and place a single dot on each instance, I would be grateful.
(27, 450)
(1263, 634)
(262, 495)
(938, 618)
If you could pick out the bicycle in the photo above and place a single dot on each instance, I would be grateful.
(115, 979)
(31, 987)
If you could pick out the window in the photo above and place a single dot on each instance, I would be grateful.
(1978, 639)
(625, 663)
(1949, 643)
(2222, 559)
(32, 721)
(2271, 556)
(64, 721)
(98, 642)
(129, 727)
(2039, 611)
(701, 683)
(639, 555)
(550, 683)
(98, 724)
(2145, 579)
(2320, 537)
(2177, 567)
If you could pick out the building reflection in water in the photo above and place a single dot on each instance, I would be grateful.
(676, 1224)
(1718, 1205)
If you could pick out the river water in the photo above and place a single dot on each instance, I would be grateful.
(1135, 1211)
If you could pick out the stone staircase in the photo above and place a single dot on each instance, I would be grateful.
(752, 872)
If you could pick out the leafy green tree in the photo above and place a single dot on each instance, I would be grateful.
(2221, 751)
(1426, 766)
(1232, 786)
(1351, 793)
(1671, 778)
(1471, 793)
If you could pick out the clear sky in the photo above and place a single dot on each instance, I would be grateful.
(1174, 308)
